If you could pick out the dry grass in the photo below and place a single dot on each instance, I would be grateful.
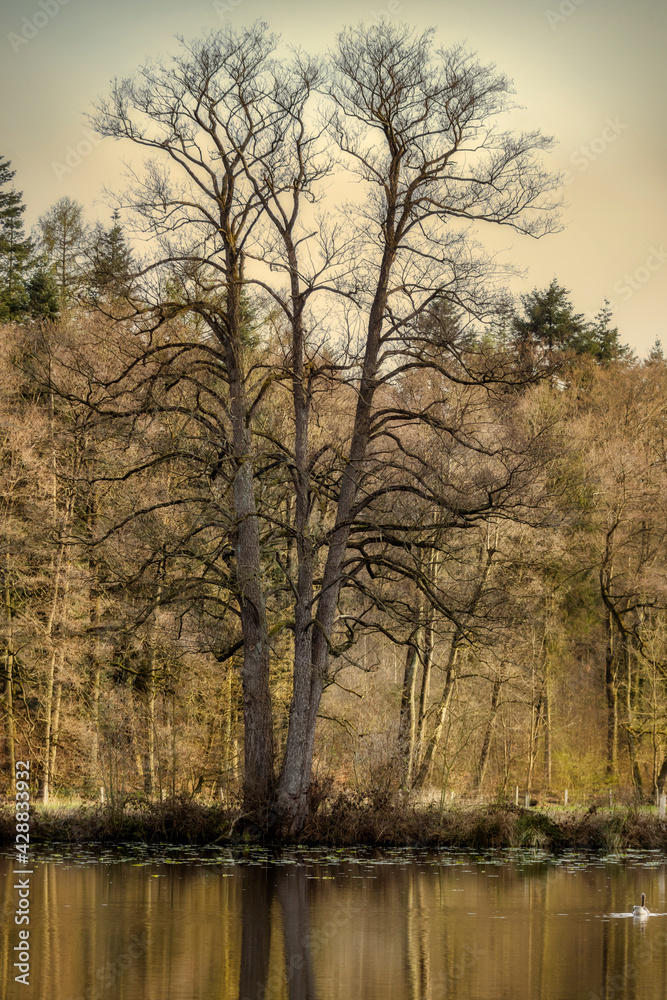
(178, 821)
(347, 820)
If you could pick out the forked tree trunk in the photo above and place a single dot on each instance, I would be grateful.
(314, 625)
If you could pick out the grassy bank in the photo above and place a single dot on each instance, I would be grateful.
(346, 822)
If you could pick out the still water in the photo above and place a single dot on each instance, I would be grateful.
(206, 924)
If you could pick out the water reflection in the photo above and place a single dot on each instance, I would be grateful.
(307, 927)
(261, 889)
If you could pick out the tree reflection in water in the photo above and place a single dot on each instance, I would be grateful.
(266, 893)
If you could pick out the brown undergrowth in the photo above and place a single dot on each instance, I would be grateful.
(349, 820)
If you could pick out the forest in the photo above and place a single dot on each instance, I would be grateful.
(297, 500)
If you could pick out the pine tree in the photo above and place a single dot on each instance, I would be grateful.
(15, 250)
(43, 297)
(112, 262)
(605, 345)
(550, 323)
(656, 354)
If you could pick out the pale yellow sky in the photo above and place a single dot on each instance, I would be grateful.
(589, 72)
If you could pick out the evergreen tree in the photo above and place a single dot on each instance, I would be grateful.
(656, 354)
(43, 297)
(605, 345)
(550, 323)
(112, 263)
(15, 250)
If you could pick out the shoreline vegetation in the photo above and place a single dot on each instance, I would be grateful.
(348, 821)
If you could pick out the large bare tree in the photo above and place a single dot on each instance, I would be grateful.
(349, 194)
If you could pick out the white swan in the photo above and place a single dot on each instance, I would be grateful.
(641, 911)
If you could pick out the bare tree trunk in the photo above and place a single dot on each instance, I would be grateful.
(611, 692)
(427, 669)
(94, 618)
(95, 720)
(149, 755)
(406, 724)
(629, 719)
(48, 721)
(606, 575)
(662, 777)
(60, 577)
(53, 683)
(258, 779)
(313, 632)
(547, 726)
(227, 767)
(55, 723)
(537, 709)
(488, 733)
(432, 572)
(451, 672)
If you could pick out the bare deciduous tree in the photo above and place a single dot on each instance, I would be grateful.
(233, 198)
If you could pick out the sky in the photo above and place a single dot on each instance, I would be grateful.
(588, 72)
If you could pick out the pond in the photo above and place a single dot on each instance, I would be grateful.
(135, 923)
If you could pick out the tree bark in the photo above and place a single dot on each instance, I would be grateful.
(258, 778)
(547, 725)
(312, 649)
(629, 719)
(406, 724)
(611, 693)
(488, 733)
(451, 673)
